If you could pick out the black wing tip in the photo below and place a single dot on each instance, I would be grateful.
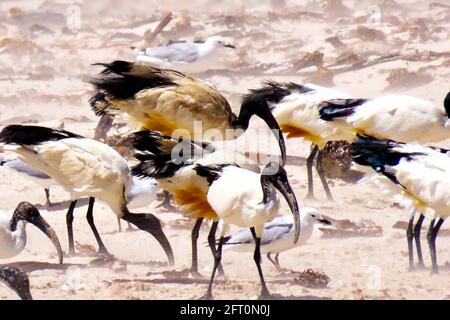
(339, 108)
(32, 135)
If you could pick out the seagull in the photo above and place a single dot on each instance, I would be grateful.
(278, 235)
(13, 237)
(190, 57)
(83, 167)
(420, 174)
(248, 199)
(28, 172)
(17, 280)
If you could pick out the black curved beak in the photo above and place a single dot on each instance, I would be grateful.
(228, 45)
(325, 221)
(270, 120)
(42, 225)
(281, 183)
(17, 280)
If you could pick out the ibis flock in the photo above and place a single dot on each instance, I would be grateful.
(211, 181)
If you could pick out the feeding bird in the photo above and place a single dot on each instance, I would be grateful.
(190, 57)
(296, 109)
(175, 104)
(248, 199)
(278, 235)
(13, 236)
(84, 167)
(17, 280)
(420, 174)
(27, 171)
(172, 163)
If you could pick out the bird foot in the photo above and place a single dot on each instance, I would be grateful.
(207, 296)
(420, 266)
(434, 271)
(310, 197)
(265, 295)
(195, 274)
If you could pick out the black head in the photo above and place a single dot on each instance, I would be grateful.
(25, 211)
(17, 280)
(256, 104)
(275, 175)
(447, 104)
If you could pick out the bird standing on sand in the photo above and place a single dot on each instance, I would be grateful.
(247, 199)
(278, 235)
(179, 177)
(13, 236)
(17, 280)
(190, 57)
(175, 104)
(84, 167)
(420, 174)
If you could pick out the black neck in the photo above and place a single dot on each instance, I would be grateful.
(267, 187)
(447, 104)
(13, 223)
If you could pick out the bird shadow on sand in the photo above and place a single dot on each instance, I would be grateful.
(30, 266)
(63, 205)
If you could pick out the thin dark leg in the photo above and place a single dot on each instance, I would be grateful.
(431, 237)
(265, 294)
(90, 220)
(417, 229)
(309, 166)
(69, 221)
(120, 224)
(194, 238)
(271, 260)
(278, 262)
(212, 244)
(217, 258)
(409, 238)
(319, 169)
(47, 198)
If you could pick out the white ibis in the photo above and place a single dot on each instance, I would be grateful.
(296, 109)
(421, 175)
(13, 236)
(247, 199)
(171, 162)
(84, 167)
(175, 104)
(28, 172)
(191, 57)
(278, 235)
(17, 280)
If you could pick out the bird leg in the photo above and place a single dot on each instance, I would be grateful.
(69, 221)
(48, 203)
(120, 225)
(194, 238)
(217, 258)
(90, 219)
(151, 224)
(166, 202)
(279, 268)
(417, 229)
(265, 294)
(212, 244)
(309, 166)
(431, 237)
(409, 238)
(271, 261)
(319, 168)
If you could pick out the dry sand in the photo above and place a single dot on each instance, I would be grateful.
(44, 62)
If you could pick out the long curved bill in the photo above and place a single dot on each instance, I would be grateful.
(270, 120)
(282, 184)
(42, 225)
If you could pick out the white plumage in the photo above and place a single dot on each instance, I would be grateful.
(191, 57)
(278, 234)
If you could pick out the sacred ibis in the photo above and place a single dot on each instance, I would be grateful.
(17, 280)
(13, 236)
(420, 174)
(84, 167)
(247, 199)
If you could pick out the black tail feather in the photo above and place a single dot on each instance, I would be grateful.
(32, 135)
(338, 108)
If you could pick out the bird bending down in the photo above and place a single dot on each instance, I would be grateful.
(420, 174)
(13, 236)
(27, 171)
(296, 109)
(84, 167)
(175, 104)
(247, 199)
(190, 57)
(158, 156)
(17, 280)
(278, 235)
